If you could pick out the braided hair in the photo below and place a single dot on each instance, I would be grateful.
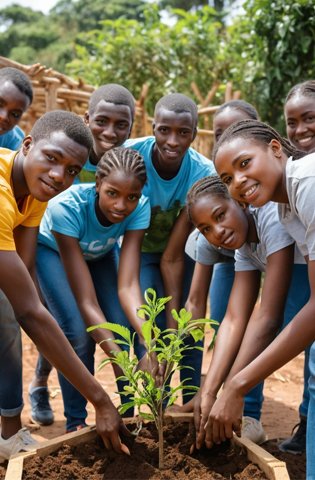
(240, 105)
(123, 160)
(207, 186)
(306, 89)
(259, 132)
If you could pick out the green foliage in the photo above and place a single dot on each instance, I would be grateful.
(127, 52)
(168, 58)
(167, 346)
(264, 52)
(274, 45)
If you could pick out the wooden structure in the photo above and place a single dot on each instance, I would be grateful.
(54, 90)
(273, 468)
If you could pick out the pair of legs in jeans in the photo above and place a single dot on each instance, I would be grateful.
(11, 387)
(298, 295)
(63, 306)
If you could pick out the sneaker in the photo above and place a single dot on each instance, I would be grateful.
(41, 411)
(296, 444)
(253, 430)
(22, 441)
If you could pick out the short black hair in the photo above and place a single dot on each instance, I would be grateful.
(240, 105)
(112, 93)
(19, 79)
(306, 89)
(63, 121)
(178, 103)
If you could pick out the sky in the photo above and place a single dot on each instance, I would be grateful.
(43, 5)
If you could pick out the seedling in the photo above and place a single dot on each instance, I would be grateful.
(168, 347)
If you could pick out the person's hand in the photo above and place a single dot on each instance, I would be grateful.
(187, 407)
(149, 363)
(225, 417)
(202, 407)
(110, 427)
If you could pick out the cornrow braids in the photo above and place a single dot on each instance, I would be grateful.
(240, 105)
(306, 89)
(207, 186)
(259, 132)
(124, 160)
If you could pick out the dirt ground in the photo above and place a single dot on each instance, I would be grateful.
(283, 391)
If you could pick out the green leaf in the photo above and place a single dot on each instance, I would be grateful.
(146, 328)
(113, 327)
(197, 334)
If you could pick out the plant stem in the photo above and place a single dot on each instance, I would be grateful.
(161, 438)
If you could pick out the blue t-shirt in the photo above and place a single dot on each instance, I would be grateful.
(72, 213)
(12, 139)
(167, 197)
(87, 174)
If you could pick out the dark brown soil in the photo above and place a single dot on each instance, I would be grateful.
(296, 464)
(89, 461)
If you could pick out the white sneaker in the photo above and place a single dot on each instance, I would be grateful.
(22, 441)
(253, 430)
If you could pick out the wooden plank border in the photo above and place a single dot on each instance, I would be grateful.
(270, 465)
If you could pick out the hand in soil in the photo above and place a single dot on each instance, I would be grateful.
(224, 418)
(110, 427)
(202, 407)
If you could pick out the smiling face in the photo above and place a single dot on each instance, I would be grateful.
(13, 104)
(50, 165)
(300, 121)
(174, 132)
(221, 220)
(110, 125)
(253, 171)
(118, 196)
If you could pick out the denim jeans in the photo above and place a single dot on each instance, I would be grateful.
(298, 295)
(310, 437)
(150, 277)
(62, 305)
(220, 289)
(11, 387)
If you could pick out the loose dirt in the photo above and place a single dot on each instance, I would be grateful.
(283, 391)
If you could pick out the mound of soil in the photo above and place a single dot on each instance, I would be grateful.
(89, 461)
(296, 464)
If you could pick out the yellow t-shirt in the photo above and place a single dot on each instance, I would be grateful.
(11, 215)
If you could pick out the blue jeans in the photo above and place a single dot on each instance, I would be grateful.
(310, 437)
(298, 296)
(220, 289)
(11, 387)
(150, 277)
(62, 305)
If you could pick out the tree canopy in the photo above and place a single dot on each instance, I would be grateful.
(264, 51)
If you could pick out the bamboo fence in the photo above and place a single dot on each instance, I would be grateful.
(54, 90)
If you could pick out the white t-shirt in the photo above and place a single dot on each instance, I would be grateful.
(200, 250)
(272, 238)
(299, 215)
